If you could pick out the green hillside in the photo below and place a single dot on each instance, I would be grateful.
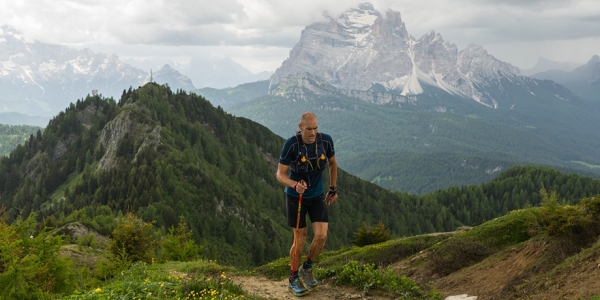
(12, 136)
(172, 160)
(229, 97)
(534, 253)
(162, 155)
(418, 150)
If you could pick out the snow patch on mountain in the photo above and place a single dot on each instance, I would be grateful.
(362, 50)
(358, 23)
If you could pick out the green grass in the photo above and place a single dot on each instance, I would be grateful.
(471, 247)
(367, 267)
(173, 280)
(382, 254)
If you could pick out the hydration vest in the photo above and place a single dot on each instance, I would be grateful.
(309, 162)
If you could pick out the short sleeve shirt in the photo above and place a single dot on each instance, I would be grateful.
(314, 178)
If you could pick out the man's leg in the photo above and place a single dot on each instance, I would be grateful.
(301, 241)
(318, 242)
(295, 285)
(316, 246)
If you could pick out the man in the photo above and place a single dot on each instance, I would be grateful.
(303, 159)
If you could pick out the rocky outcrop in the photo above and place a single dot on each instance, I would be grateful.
(126, 124)
(76, 230)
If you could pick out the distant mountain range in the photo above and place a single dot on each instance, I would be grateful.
(365, 51)
(584, 80)
(205, 72)
(417, 114)
(39, 79)
(544, 64)
(226, 98)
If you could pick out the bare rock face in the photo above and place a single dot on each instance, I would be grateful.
(353, 51)
(363, 48)
(126, 125)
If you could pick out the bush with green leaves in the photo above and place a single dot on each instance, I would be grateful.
(179, 244)
(133, 239)
(30, 264)
(367, 235)
(369, 277)
(88, 240)
(569, 220)
(569, 227)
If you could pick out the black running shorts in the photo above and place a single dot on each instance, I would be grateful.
(315, 207)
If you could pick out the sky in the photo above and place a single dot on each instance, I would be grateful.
(259, 34)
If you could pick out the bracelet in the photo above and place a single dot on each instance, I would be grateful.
(333, 187)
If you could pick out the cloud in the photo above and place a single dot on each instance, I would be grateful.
(277, 24)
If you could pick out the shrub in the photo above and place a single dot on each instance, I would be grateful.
(179, 245)
(30, 267)
(570, 227)
(133, 240)
(88, 240)
(368, 277)
(457, 253)
(368, 236)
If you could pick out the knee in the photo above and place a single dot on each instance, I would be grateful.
(320, 237)
(301, 237)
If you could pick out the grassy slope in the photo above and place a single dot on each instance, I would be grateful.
(506, 258)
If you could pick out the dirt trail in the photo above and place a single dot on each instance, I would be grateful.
(270, 289)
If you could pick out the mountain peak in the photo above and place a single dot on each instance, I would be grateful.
(358, 22)
(366, 6)
(362, 49)
(594, 59)
(7, 31)
(166, 68)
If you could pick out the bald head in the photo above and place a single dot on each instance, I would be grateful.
(308, 125)
(307, 115)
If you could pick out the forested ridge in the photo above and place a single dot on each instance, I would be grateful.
(13, 135)
(162, 154)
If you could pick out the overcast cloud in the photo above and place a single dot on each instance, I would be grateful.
(260, 33)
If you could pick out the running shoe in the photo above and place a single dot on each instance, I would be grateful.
(297, 288)
(306, 275)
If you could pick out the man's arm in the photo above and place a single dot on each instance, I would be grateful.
(332, 171)
(285, 180)
(332, 194)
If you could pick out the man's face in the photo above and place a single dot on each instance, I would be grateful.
(309, 127)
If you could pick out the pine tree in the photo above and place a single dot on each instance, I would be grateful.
(368, 236)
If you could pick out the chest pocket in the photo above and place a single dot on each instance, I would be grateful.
(309, 161)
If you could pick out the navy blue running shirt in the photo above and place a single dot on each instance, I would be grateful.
(313, 178)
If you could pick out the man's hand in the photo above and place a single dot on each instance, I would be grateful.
(331, 195)
(300, 187)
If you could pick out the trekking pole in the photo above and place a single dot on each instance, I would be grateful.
(296, 233)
